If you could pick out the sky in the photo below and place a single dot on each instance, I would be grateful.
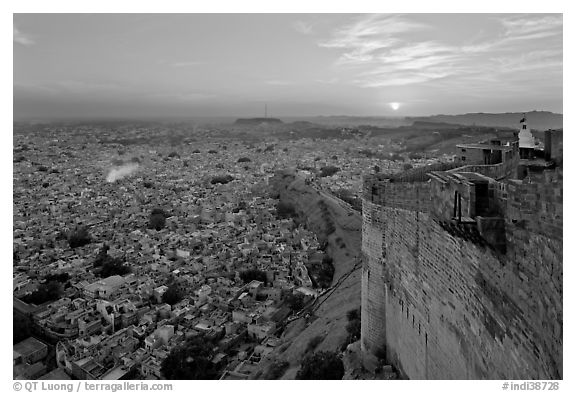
(192, 65)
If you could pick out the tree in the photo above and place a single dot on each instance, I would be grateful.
(157, 219)
(79, 237)
(328, 171)
(326, 272)
(353, 314)
(253, 274)
(60, 277)
(354, 330)
(46, 292)
(113, 266)
(295, 302)
(321, 365)
(102, 256)
(190, 361)
(172, 295)
(109, 266)
(222, 179)
(285, 210)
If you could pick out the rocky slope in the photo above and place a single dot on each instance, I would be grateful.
(334, 221)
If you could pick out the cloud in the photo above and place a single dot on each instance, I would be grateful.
(303, 27)
(396, 50)
(21, 38)
(531, 27)
(522, 32)
(372, 32)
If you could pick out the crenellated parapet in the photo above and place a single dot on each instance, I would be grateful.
(409, 190)
(401, 195)
(471, 198)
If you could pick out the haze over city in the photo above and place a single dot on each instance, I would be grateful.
(186, 65)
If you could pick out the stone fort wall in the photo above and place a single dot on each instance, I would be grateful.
(442, 304)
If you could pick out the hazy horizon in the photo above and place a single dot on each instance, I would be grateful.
(158, 66)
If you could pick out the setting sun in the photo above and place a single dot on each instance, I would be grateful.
(394, 105)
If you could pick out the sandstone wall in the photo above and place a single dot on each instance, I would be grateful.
(449, 308)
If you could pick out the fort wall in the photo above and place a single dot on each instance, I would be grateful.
(444, 303)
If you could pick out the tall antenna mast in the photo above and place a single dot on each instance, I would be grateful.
(265, 111)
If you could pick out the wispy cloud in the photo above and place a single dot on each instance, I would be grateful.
(21, 38)
(394, 50)
(531, 27)
(303, 27)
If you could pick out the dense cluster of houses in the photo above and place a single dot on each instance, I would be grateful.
(120, 326)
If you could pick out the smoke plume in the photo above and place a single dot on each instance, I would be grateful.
(121, 172)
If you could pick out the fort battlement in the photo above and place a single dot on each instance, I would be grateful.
(408, 190)
(534, 203)
(403, 195)
(462, 273)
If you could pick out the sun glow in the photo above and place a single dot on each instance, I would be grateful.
(394, 105)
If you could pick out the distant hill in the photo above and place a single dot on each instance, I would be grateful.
(539, 120)
(355, 121)
(257, 121)
(420, 124)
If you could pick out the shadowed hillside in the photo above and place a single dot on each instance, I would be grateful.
(335, 222)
